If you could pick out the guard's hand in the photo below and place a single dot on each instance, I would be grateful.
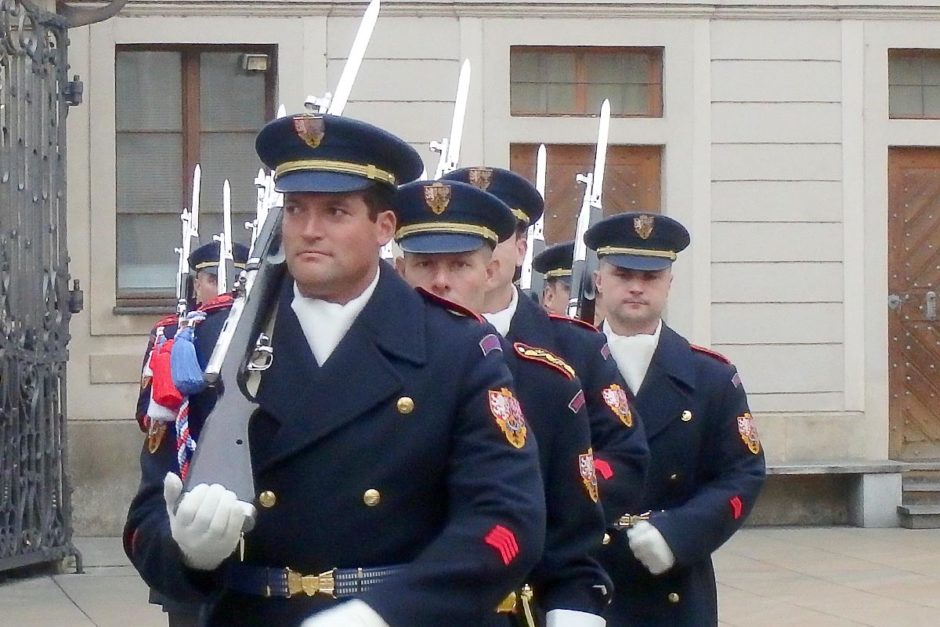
(649, 546)
(353, 613)
(572, 618)
(207, 523)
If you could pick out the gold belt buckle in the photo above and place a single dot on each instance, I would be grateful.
(311, 585)
(628, 521)
(507, 605)
(514, 602)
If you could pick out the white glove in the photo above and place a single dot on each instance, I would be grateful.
(208, 522)
(572, 618)
(649, 546)
(353, 613)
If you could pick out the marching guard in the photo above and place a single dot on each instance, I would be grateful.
(448, 231)
(395, 481)
(621, 454)
(707, 465)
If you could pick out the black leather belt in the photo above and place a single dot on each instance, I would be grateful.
(286, 583)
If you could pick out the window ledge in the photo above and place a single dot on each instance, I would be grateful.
(142, 310)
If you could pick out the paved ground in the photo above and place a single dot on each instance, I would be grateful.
(826, 577)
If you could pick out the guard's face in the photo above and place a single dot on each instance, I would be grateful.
(507, 256)
(460, 277)
(330, 243)
(205, 287)
(555, 297)
(634, 300)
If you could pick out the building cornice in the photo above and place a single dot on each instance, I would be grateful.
(528, 9)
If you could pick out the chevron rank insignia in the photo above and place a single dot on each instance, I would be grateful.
(616, 399)
(542, 356)
(748, 432)
(588, 474)
(508, 414)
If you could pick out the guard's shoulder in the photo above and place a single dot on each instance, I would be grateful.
(713, 354)
(170, 320)
(220, 302)
(449, 305)
(574, 321)
(544, 357)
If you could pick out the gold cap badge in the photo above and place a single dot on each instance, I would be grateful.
(437, 197)
(643, 225)
(310, 129)
(481, 177)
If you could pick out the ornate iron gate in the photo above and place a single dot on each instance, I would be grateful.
(35, 301)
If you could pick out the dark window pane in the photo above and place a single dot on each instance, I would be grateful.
(148, 88)
(231, 156)
(148, 171)
(146, 260)
(230, 98)
(905, 101)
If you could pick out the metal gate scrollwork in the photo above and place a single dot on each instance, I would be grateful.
(35, 300)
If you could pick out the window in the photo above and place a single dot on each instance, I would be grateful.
(550, 80)
(914, 83)
(176, 107)
(632, 181)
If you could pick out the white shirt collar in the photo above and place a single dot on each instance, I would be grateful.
(503, 319)
(324, 323)
(633, 353)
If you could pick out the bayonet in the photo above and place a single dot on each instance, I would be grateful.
(531, 280)
(335, 103)
(449, 147)
(581, 302)
(226, 259)
(190, 232)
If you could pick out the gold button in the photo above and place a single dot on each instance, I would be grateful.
(673, 597)
(267, 499)
(606, 539)
(673, 477)
(405, 405)
(686, 416)
(371, 497)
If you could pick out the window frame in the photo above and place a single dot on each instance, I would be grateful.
(156, 301)
(655, 57)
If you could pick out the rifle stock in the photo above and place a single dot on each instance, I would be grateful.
(222, 455)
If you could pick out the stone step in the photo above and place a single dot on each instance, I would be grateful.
(921, 493)
(919, 516)
(917, 477)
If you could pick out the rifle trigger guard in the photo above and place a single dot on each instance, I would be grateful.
(262, 356)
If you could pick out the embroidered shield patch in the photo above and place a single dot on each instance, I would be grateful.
(749, 432)
(437, 197)
(481, 177)
(588, 474)
(505, 408)
(310, 129)
(643, 225)
(616, 399)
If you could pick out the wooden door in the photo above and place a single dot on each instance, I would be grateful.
(632, 181)
(913, 282)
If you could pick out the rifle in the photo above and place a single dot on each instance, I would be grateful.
(450, 147)
(190, 220)
(581, 303)
(533, 281)
(242, 350)
(261, 206)
(335, 103)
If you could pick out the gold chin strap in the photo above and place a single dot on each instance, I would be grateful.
(639, 252)
(457, 228)
(368, 171)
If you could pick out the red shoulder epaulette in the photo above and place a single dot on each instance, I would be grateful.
(450, 305)
(710, 352)
(222, 301)
(577, 321)
(542, 356)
